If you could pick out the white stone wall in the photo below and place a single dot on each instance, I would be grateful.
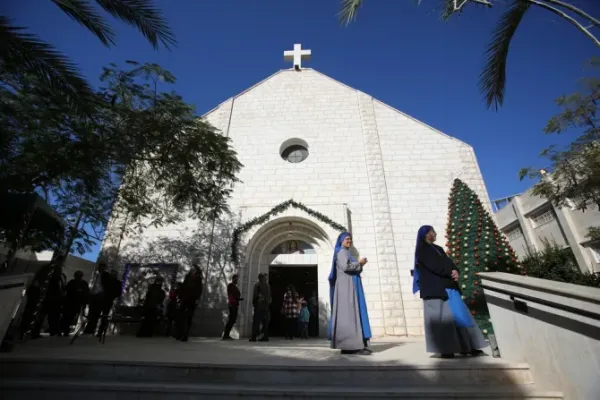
(325, 114)
(370, 167)
(420, 167)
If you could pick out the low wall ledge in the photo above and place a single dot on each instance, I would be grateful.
(584, 293)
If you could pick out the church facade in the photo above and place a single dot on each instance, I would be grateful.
(340, 159)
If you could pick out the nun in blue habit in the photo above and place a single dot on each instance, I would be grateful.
(449, 326)
(349, 328)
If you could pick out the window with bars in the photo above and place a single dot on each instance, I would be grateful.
(542, 218)
(514, 233)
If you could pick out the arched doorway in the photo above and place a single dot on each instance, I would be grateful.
(295, 264)
(292, 250)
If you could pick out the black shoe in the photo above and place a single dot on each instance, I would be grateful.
(450, 355)
(184, 339)
(477, 353)
(264, 340)
(227, 338)
(252, 339)
(364, 352)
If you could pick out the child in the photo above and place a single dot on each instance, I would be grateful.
(304, 318)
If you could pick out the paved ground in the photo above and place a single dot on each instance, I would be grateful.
(387, 351)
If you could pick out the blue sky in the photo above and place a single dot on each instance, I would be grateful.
(398, 52)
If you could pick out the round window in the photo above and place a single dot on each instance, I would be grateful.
(295, 153)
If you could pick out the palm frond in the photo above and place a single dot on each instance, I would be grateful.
(143, 15)
(84, 13)
(447, 7)
(347, 12)
(25, 53)
(492, 80)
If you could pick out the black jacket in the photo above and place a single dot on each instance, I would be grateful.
(435, 272)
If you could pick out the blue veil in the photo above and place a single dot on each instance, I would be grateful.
(423, 231)
(357, 282)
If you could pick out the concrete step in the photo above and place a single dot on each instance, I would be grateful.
(454, 372)
(14, 389)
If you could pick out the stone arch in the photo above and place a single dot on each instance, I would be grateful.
(258, 257)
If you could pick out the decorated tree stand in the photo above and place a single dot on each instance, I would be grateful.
(475, 245)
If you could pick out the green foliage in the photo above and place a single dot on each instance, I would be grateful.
(278, 209)
(593, 233)
(574, 178)
(492, 80)
(140, 149)
(475, 245)
(557, 264)
(25, 53)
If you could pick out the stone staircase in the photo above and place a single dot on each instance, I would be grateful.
(242, 371)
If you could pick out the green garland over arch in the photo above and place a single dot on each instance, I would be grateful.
(237, 233)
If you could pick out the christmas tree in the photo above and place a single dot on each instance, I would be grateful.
(475, 245)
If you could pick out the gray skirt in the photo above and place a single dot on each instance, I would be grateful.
(442, 336)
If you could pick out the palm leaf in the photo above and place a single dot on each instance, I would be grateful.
(24, 53)
(447, 7)
(492, 80)
(347, 12)
(143, 15)
(82, 12)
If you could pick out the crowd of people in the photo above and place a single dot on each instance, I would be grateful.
(175, 309)
(449, 327)
(64, 301)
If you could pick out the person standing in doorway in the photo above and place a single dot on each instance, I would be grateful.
(189, 294)
(349, 328)
(290, 308)
(233, 300)
(449, 326)
(313, 309)
(261, 301)
(304, 318)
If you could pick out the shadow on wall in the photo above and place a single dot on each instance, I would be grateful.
(208, 247)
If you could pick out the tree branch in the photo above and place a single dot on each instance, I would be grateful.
(575, 10)
(484, 2)
(568, 18)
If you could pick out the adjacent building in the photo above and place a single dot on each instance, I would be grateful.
(530, 221)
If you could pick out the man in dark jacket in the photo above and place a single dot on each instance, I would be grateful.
(233, 300)
(105, 289)
(155, 296)
(76, 297)
(261, 301)
(189, 295)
